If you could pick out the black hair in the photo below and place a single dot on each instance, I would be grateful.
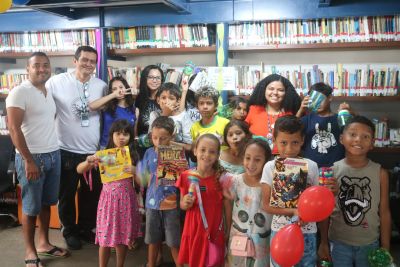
(37, 54)
(322, 88)
(288, 124)
(241, 124)
(123, 126)
(209, 92)
(216, 165)
(236, 101)
(171, 88)
(291, 102)
(164, 122)
(262, 144)
(112, 105)
(84, 48)
(143, 96)
(362, 120)
(190, 96)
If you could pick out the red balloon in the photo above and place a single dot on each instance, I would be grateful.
(287, 246)
(315, 204)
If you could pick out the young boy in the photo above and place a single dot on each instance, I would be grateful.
(168, 98)
(322, 131)
(362, 215)
(207, 103)
(285, 178)
(162, 213)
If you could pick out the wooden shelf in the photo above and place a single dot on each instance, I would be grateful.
(367, 98)
(319, 46)
(3, 96)
(158, 51)
(27, 54)
(385, 150)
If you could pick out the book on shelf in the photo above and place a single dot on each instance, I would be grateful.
(158, 36)
(333, 30)
(130, 74)
(9, 81)
(46, 41)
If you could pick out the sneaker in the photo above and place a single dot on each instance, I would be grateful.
(73, 242)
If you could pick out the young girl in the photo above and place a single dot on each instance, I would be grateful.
(247, 215)
(239, 109)
(273, 97)
(118, 220)
(236, 134)
(194, 242)
(118, 104)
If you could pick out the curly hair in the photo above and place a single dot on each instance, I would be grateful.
(291, 102)
(112, 105)
(208, 92)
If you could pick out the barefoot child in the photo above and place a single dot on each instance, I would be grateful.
(118, 219)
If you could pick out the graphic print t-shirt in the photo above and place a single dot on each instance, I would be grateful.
(321, 142)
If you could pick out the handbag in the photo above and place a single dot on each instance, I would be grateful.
(214, 254)
(242, 246)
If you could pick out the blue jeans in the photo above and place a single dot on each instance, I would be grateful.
(44, 190)
(309, 258)
(344, 255)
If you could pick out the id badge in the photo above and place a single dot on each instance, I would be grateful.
(85, 120)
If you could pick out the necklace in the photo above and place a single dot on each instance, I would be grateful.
(271, 118)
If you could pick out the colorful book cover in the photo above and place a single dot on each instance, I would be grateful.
(289, 181)
(112, 163)
(171, 162)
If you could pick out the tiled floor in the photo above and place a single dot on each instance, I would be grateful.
(12, 251)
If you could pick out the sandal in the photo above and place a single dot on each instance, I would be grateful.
(53, 253)
(34, 261)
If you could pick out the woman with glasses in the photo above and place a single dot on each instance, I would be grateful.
(150, 81)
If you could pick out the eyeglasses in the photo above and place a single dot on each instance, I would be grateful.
(154, 78)
(86, 90)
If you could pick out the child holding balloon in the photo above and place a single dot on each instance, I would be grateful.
(361, 221)
(283, 180)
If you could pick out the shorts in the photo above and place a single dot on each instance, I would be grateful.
(44, 190)
(344, 255)
(163, 223)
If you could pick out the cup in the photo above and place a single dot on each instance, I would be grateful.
(316, 99)
(343, 116)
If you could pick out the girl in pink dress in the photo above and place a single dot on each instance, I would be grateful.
(194, 242)
(118, 219)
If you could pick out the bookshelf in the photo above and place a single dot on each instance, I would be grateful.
(367, 98)
(27, 54)
(162, 51)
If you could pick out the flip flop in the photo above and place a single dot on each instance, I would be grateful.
(33, 261)
(52, 253)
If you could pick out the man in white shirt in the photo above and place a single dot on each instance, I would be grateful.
(78, 131)
(31, 111)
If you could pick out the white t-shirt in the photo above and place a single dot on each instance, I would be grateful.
(68, 94)
(38, 125)
(279, 221)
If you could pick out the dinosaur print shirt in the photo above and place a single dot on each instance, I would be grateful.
(355, 220)
(288, 178)
(321, 142)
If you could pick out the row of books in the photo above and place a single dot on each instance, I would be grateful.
(348, 80)
(381, 136)
(159, 36)
(350, 29)
(49, 41)
(8, 81)
(3, 125)
(130, 74)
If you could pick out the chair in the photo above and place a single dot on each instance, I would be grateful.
(8, 194)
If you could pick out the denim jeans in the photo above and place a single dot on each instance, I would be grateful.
(309, 258)
(44, 190)
(87, 199)
(344, 255)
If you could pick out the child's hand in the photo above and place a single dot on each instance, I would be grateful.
(118, 94)
(305, 102)
(129, 169)
(323, 251)
(187, 201)
(334, 187)
(185, 84)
